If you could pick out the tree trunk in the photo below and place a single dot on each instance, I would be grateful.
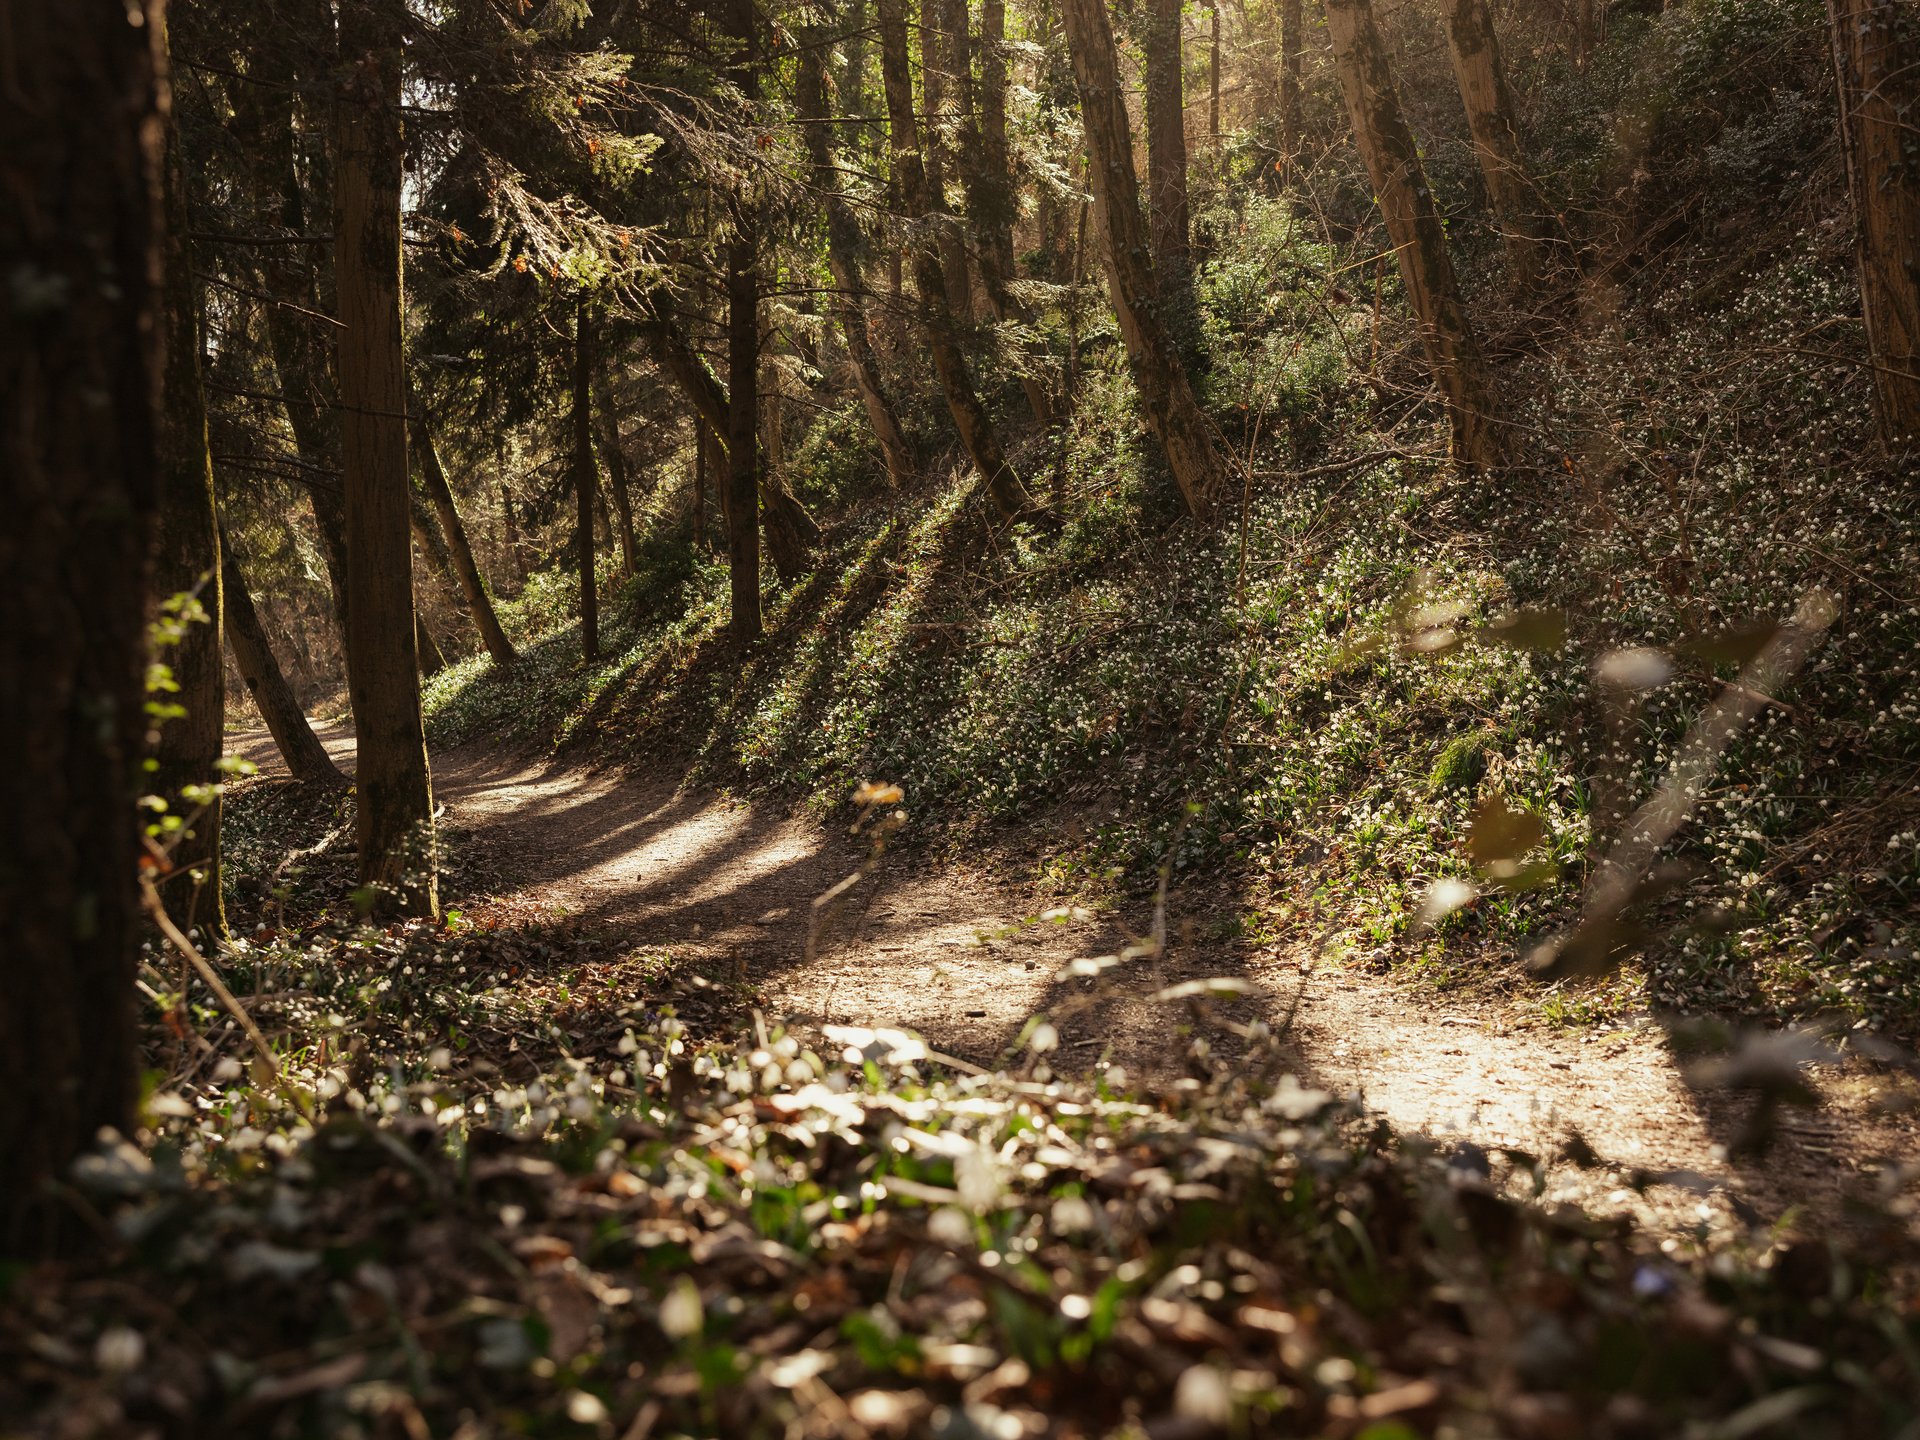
(510, 532)
(432, 659)
(977, 434)
(741, 423)
(700, 485)
(937, 213)
(614, 459)
(1876, 56)
(306, 758)
(1496, 137)
(1213, 76)
(80, 378)
(989, 181)
(843, 251)
(187, 559)
(1166, 144)
(394, 794)
(1413, 224)
(473, 587)
(1166, 396)
(1292, 43)
(586, 480)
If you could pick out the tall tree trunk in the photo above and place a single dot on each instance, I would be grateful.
(989, 180)
(1166, 395)
(586, 480)
(1166, 144)
(843, 260)
(432, 659)
(1496, 137)
(933, 105)
(741, 425)
(1413, 224)
(700, 485)
(1876, 56)
(1292, 44)
(614, 458)
(1213, 76)
(790, 532)
(433, 478)
(306, 758)
(977, 434)
(510, 538)
(394, 794)
(187, 559)
(80, 377)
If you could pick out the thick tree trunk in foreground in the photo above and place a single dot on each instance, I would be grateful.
(977, 434)
(187, 559)
(306, 758)
(1166, 396)
(586, 480)
(394, 796)
(1413, 224)
(80, 372)
(1876, 54)
(473, 586)
(843, 259)
(1482, 78)
(1166, 144)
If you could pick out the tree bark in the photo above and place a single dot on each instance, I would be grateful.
(1496, 137)
(933, 105)
(433, 478)
(432, 659)
(614, 459)
(187, 747)
(741, 423)
(80, 377)
(586, 480)
(700, 485)
(1166, 144)
(306, 758)
(843, 260)
(1876, 56)
(394, 793)
(1292, 43)
(1213, 76)
(1166, 395)
(977, 434)
(1413, 224)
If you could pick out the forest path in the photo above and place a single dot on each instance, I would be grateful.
(958, 956)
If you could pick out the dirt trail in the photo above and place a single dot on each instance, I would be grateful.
(958, 957)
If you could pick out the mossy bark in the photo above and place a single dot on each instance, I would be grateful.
(1166, 396)
(1413, 224)
(1511, 191)
(1876, 52)
(1009, 496)
(394, 806)
(1167, 210)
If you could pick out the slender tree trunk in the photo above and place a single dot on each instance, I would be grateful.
(510, 529)
(1166, 395)
(586, 480)
(1413, 224)
(742, 422)
(977, 434)
(432, 659)
(790, 531)
(80, 378)
(933, 105)
(989, 181)
(700, 485)
(1876, 56)
(394, 794)
(1496, 137)
(187, 559)
(1166, 144)
(1213, 76)
(1292, 44)
(614, 459)
(843, 250)
(307, 759)
(473, 586)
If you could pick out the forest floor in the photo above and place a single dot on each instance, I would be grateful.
(962, 956)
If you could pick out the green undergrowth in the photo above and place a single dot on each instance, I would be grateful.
(500, 1182)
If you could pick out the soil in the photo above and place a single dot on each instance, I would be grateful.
(962, 957)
